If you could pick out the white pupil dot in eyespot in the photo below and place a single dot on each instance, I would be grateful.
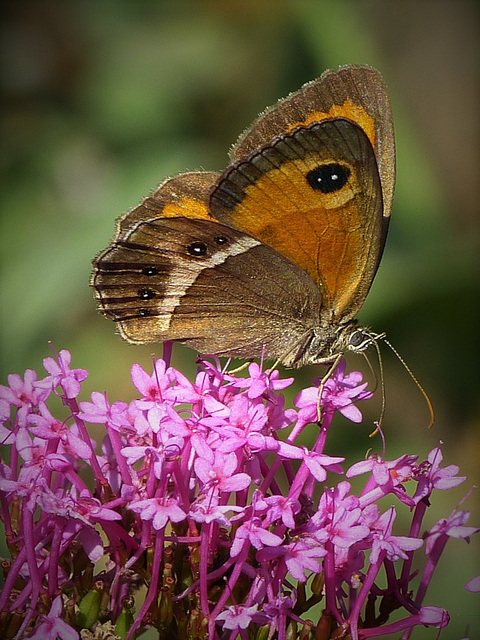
(334, 176)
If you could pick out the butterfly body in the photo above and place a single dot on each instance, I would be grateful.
(275, 255)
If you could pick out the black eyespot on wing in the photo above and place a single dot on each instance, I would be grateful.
(221, 240)
(150, 271)
(197, 249)
(328, 178)
(146, 294)
(144, 313)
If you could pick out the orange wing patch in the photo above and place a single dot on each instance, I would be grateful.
(186, 207)
(354, 112)
(318, 232)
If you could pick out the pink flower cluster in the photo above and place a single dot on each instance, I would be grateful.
(201, 504)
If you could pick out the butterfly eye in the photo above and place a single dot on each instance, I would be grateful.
(328, 178)
(361, 339)
(197, 249)
(150, 271)
(356, 338)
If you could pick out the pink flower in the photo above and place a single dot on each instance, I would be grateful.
(37, 457)
(453, 527)
(219, 473)
(339, 394)
(280, 508)
(194, 494)
(84, 507)
(261, 382)
(431, 476)
(387, 477)
(53, 626)
(99, 411)
(164, 384)
(23, 394)
(167, 448)
(62, 376)
(207, 508)
(46, 427)
(345, 528)
(473, 585)
(253, 532)
(316, 463)
(434, 616)
(392, 547)
(237, 616)
(301, 557)
(158, 510)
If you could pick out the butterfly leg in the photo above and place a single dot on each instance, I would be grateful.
(321, 387)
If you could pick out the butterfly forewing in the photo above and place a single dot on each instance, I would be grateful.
(314, 195)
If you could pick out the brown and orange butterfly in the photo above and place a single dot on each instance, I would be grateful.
(276, 254)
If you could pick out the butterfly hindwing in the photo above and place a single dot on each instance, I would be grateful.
(207, 285)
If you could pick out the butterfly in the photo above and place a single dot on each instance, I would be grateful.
(275, 255)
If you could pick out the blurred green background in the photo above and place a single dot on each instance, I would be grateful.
(102, 100)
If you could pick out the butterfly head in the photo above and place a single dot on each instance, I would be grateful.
(327, 342)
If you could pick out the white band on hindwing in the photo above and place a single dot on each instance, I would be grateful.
(178, 275)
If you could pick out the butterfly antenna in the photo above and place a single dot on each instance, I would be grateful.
(372, 370)
(420, 388)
